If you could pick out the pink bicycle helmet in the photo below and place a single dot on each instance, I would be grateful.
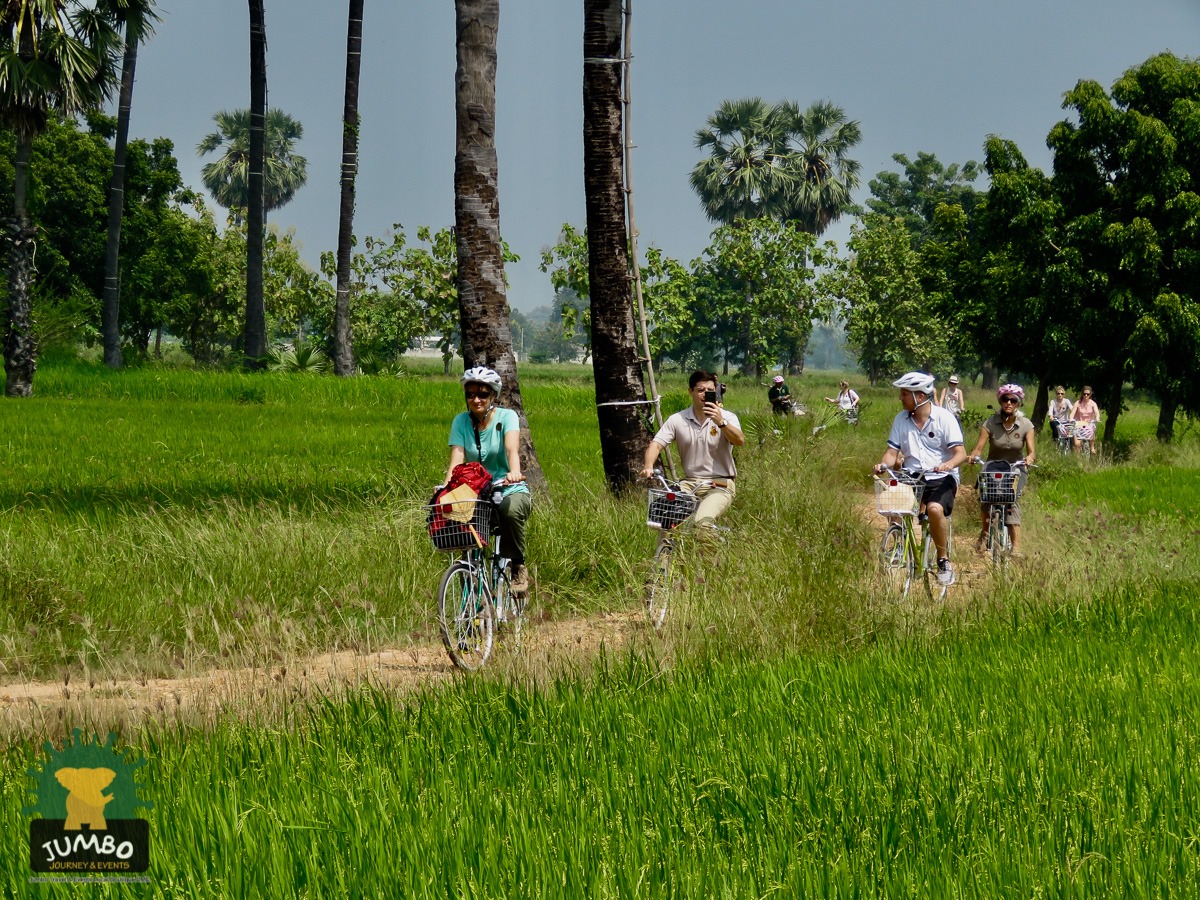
(778, 379)
(1015, 389)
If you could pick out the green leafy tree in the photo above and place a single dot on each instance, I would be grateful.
(679, 329)
(889, 324)
(756, 282)
(54, 55)
(567, 263)
(914, 194)
(1127, 172)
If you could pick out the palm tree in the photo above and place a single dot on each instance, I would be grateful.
(227, 177)
(483, 306)
(137, 17)
(255, 333)
(822, 174)
(54, 55)
(746, 173)
(343, 349)
(617, 365)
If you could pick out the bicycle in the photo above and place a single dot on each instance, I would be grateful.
(1085, 433)
(670, 508)
(475, 594)
(999, 488)
(1065, 437)
(898, 498)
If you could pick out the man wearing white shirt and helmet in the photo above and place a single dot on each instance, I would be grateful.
(929, 440)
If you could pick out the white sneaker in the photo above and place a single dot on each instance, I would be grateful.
(945, 573)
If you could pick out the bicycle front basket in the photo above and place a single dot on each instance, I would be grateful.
(449, 535)
(670, 508)
(998, 487)
(895, 497)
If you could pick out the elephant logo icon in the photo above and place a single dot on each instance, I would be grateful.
(86, 798)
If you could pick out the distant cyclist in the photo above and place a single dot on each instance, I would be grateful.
(1086, 415)
(1061, 408)
(780, 396)
(1009, 438)
(929, 440)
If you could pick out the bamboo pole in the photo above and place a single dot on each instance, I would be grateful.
(635, 265)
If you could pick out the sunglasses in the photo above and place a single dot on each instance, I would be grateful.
(478, 395)
(1087, 393)
(1008, 399)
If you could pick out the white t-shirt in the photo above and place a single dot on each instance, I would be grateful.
(929, 446)
(703, 449)
(847, 398)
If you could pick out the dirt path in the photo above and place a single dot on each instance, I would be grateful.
(42, 707)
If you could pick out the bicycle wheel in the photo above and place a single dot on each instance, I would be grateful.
(998, 536)
(661, 583)
(934, 589)
(896, 559)
(510, 608)
(466, 617)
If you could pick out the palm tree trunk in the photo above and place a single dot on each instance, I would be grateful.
(343, 347)
(482, 300)
(617, 366)
(110, 314)
(256, 323)
(20, 351)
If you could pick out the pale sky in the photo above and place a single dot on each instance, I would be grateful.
(925, 75)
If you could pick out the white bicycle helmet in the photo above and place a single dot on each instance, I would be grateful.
(483, 375)
(917, 382)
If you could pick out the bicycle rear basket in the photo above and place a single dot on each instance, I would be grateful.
(669, 508)
(998, 487)
(895, 496)
(450, 535)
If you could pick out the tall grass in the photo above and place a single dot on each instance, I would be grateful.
(1048, 755)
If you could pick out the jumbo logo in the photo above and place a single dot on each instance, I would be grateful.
(83, 821)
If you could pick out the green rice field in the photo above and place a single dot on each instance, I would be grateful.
(793, 732)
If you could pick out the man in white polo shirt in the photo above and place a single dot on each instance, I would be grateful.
(929, 440)
(706, 434)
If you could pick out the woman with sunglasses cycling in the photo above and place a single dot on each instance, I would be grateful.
(1087, 416)
(1009, 438)
(490, 434)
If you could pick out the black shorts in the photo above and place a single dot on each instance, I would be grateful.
(941, 491)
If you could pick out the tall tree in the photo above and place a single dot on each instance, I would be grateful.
(54, 54)
(137, 17)
(483, 304)
(1127, 172)
(227, 177)
(746, 173)
(823, 176)
(255, 335)
(616, 362)
(915, 195)
(343, 348)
